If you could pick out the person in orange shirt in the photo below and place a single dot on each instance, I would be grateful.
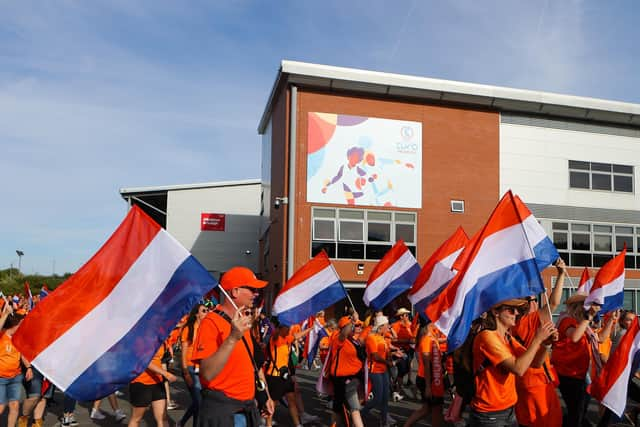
(148, 389)
(190, 371)
(323, 347)
(345, 370)
(538, 403)
(379, 359)
(573, 353)
(497, 359)
(11, 376)
(224, 349)
(405, 339)
(430, 377)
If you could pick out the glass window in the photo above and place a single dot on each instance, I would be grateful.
(560, 226)
(580, 227)
(628, 301)
(574, 164)
(602, 228)
(601, 182)
(602, 243)
(329, 247)
(351, 214)
(560, 240)
(621, 229)
(405, 232)
(578, 179)
(600, 260)
(350, 251)
(377, 251)
(602, 167)
(324, 213)
(378, 216)
(629, 261)
(379, 232)
(621, 240)
(580, 260)
(405, 217)
(580, 242)
(623, 169)
(623, 183)
(351, 231)
(323, 230)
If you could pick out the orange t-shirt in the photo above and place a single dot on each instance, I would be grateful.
(495, 388)
(279, 349)
(236, 379)
(188, 345)
(295, 329)
(376, 344)
(404, 334)
(148, 377)
(526, 330)
(364, 334)
(571, 359)
(9, 358)
(424, 346)
(343, 360)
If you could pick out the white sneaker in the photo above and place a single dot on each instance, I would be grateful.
(119, 393)
(119, 415)
(96, 414)
(308, 418)
(397, 397)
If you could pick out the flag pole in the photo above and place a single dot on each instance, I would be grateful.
(343, 288)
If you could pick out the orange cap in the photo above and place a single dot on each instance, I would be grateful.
(240, 276)
(344, 321)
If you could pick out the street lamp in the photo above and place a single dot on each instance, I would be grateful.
(20, 255)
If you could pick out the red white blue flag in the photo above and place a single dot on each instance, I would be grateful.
(437, 271)
(394, 274)
(610, 387)
(100, 329)
(586, 282)
(501, 262)
(314, 287)
(608, 286)
(27, 295)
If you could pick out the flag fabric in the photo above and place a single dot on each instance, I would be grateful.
(586, 282)
(608, 286)
(313, 341)
(437, 271)
(44, 292)
(394, 274)
(27, 295)
(100, 329)
(314, 287)
(610, 387)
(501, 262)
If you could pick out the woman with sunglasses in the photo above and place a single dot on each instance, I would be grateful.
(497, 359)
(190, 370)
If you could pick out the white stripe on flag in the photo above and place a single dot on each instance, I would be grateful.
(305, 290)
(615, 399)
(499, 250)
(110, 320)
(397, 269)
(612, 288)
(440, 275)
(534, 231)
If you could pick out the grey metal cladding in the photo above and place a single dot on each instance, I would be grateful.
(579, 213)
(574, 125)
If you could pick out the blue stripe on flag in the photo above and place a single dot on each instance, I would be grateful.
(515, 281)
(131, 355)
(612, 302)
(396, 287)
(327, 297)
(546, 253)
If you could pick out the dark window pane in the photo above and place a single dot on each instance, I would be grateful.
(621, 240)
(602, 228)
(623, 169)
(377, 251)
(323, 230)
(602, 243)
(560, 226)
(405, 232)
(627, 303)
(412, 249)
(580, 227)
(623, 183)
(629, 261)
(580, 242)
(578, 180)
(600, 260)
(379, 232)
(560, 240)
(623, 229)
(574, 164)
(602, 167)
(330, 248)
(351, 230)
(580, 260)
(564, 256)
(351, 250)
(601, 182)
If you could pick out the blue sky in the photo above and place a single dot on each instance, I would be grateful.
(95, 96)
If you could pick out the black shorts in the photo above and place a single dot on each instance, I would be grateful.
(434, 401)
(141, 395)
(279, 387)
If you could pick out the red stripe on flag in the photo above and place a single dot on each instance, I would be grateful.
(388, 260)
(613, 269)
(88, 287)
(316, 264)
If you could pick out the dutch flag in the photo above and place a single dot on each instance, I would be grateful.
(608, 286)
(394, 274)
(100, 329)
(586, 282)
(501, 262)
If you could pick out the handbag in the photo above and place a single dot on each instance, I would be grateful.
(454, 411)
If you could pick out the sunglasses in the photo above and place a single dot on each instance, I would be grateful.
(250, 289)
(510, 308)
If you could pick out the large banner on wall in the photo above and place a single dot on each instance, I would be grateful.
(354, 160)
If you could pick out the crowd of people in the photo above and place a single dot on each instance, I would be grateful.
(515, 367)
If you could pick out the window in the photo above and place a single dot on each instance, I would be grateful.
(360, 234)
(600, 176)
(583, 244)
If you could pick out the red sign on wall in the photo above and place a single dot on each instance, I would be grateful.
(211, 222)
